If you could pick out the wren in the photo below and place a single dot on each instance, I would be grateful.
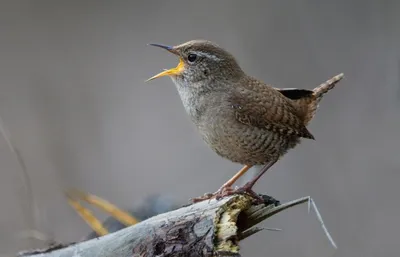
(240, 117)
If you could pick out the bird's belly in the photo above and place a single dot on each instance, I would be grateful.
(247, 145)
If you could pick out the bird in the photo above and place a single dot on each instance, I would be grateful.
(238, 116)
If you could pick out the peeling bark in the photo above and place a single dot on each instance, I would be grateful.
(206, 229)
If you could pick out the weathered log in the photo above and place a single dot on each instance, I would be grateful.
(208, 228)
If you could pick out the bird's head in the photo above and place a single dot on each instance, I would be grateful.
(201, 61)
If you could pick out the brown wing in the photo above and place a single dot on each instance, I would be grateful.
(267, 109)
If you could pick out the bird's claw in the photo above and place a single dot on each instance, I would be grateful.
(247, 189)
(225, 191)
(218, 195)
(206, 196)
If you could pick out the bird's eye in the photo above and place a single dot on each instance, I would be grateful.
(192, 57)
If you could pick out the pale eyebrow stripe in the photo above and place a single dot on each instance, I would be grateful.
(210, 56)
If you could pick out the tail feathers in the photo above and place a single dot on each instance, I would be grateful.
(326, 86)
(306, 101)
(318, 93)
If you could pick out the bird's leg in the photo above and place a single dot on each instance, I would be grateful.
(73, 198)
(225, 189)
(248, 187)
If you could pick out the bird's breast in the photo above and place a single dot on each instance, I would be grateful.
(196, 102)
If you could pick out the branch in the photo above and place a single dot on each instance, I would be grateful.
(208, 228)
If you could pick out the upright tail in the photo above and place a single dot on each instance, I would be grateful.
(317, 95)
(306, 101)
(326, 86)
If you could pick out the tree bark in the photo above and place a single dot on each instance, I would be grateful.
(208, 228)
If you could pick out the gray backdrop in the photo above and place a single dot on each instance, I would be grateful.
(73, 97)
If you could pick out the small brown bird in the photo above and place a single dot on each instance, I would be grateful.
(241, 118)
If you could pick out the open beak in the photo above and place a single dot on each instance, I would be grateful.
(174, 71)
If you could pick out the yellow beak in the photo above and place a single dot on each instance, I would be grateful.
(174, 71)
(171, 72)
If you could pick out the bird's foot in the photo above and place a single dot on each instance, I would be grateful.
(206, 196)
(221, 193)
(248, 189)
(225, 191)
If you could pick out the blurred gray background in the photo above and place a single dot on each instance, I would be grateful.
(73, 97)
